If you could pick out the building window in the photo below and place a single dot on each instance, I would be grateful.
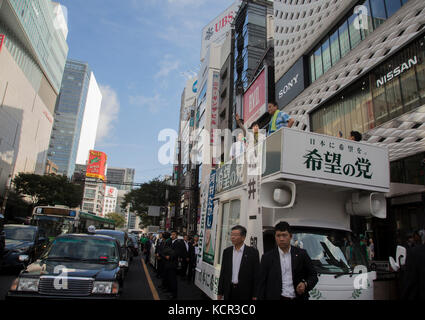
(390, 90)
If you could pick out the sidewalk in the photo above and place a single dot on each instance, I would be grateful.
(185, 291)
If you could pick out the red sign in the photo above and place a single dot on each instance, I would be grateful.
(254, 100)
(2, 37)
(96, 165)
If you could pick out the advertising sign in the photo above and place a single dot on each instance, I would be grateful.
(216, 30)
(291, 84)
(229, 176)
(335, 161)
(2, 37)
(96, 165)
(255, 99)
(210, 224)
(154, 211)
(214, 105)
(111, 192)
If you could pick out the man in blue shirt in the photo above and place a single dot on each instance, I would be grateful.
(279, 118)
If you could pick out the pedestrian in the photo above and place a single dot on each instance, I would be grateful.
(287, 272)
(186, 249)
(171, 253)
(148, 245)
(414, 275)
(158, 252)
(371, 249)
(355, 136)
(278, 119)
(194, 251)
(240, 265)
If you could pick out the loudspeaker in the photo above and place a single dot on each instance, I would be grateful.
(367, 204)
(278, 194)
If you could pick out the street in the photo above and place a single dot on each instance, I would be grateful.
(137, 286)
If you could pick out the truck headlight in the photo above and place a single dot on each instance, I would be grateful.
(28, 284)
(105, 287)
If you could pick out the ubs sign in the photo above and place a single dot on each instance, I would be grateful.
(291, 84)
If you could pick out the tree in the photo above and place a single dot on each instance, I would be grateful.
(49, 189)
(152, 193)
(118, 218)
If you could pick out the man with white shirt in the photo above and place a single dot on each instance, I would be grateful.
(240, 266)
(286, 272)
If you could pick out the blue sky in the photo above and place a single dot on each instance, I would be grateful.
(141, 52)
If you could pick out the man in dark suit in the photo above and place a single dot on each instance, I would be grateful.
(185, 256)
(286, 272)
(414, 275)
(239, 269)
(194, 250)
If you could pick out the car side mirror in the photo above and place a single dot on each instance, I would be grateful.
(123, 264)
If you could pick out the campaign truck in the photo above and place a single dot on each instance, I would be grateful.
(315, 183)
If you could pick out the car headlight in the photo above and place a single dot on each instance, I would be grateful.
(28, 284)
(105, 287)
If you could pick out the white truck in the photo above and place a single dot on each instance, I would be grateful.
(312, 181)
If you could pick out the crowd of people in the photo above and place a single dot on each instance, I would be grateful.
(174, 257)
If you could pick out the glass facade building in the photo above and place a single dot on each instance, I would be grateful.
(349, 32)
(47, 44)
(69, 117)
(391, 89)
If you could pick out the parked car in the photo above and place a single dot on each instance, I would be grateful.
(22, 240)
(125, 243)
(74, 266)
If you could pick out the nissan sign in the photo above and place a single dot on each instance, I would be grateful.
(291, 84)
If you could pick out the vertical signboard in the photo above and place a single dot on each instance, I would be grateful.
(2, 37)
(255, 99)
(214, 106)
(210, 224)
(96, 165)
(291, 84)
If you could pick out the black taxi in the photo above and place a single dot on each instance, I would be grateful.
(75, 266)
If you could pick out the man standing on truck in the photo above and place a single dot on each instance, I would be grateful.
(279, 118)
(239, 269)
(286, 272)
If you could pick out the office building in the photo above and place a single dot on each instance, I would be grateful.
(120, 178)
(76, 117)
(359, 65)
(33, 50)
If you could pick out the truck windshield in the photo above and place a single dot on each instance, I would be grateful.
(331, 251)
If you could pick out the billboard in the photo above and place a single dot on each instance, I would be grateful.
(96, 165)
(111, 192)
(216, 30)
(291, 84)
(255, 99)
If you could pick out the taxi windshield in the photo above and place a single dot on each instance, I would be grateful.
(84, 249)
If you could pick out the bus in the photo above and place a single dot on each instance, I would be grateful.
(314, 182)
(56, 220)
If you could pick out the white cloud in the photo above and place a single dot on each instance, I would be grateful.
(167, 65)
(154, 104)
(108, 112)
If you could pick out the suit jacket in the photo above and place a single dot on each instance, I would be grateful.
(270, 285)
(414, 277)
(248, 273)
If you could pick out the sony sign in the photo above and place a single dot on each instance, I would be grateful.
(397, 71)
(291, 84)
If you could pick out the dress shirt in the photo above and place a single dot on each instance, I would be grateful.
(287, 282)
(236, 265)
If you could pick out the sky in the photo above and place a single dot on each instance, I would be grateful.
(141, 53)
